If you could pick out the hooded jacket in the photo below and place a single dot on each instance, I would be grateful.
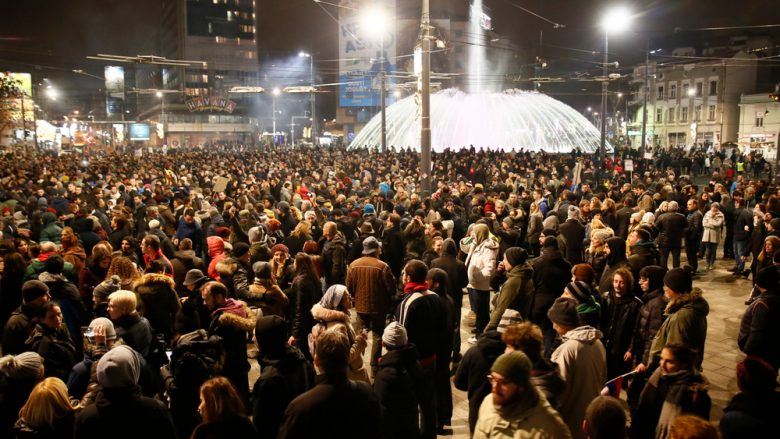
(397, 384)
(457, 279)
(546, 377)
(336, 320)
(481, 260)
(615, 260)
(269, 297)
(160, 302)
(529, 417)
(51, 231)
(551, 273)
(473, 369)
(516, 293)
(686, 322)
(583, 365)
(216, 247)
(231, 323)
(651, 317)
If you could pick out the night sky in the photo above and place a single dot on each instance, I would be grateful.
(56, 35)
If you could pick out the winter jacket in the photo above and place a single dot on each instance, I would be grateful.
(334, 260)
(534, 228)
(51, 230)
(743, 225)
(694, 229)
(17, 330)
(37, 266)
(619, 318)
(551, 274)
(665, 397)
(529, 417)
(312, 413)
(56, 348)
(136, 332)
(61, 428)
(192, 231)
(235, 276)
(651, 317)
(126, 415)
(546, 377)
(285, 376)
(184, 261)
(751, 414)
(457, 279)
(335, 320)
(66, 295)
(76, 256)
(583, 364)
(397, 384)
(516, 293)
(394, 250)
(481, 263)
(643, 253)
(473, 369)
(231, 323)
(671, 228)
(232, 426)
(268, 297)
(712, 224)
(574, 233)
(160, 302)
(686, 322)
(424, 316)
(216, 248)
(13, 395)
(372, 284)
(414, 237)
(759, 328)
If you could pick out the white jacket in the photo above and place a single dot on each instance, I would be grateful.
(712, 226)
(481, 263)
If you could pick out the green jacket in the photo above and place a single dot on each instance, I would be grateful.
(37, 267)
(686, 323)
(516, 293)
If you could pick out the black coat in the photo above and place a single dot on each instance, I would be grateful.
(759, 328)
(623, 218)
(397, 385)
(61, 428)
(230, 427)
(303, 294)
(473, 369)
(13, 395)
(124, 414)
(618, 322)
(284, 377)
(56, 348)
(320, 412)
(651, 317)
(394, 250)
(551, 274)
(671, 228)
(425, 320)
(136, 332)
(574, 233)
(751, 414)
(457, 278)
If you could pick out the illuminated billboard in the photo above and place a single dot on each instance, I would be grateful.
(139, 131)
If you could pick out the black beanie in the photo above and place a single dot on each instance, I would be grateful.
(564, 313)
(679, 280)
(768, 278)
(240, 249)
(270, 333)
(515, 256)
(33, 289)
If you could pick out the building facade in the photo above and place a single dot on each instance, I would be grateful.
(759, 125)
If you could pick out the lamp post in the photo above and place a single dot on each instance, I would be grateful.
(312, 96)
(274, 94)
(161, 96)
(425, 118)
(616, 20)
(375, 21)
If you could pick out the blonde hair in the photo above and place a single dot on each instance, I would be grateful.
(303, 229)
(48, 401)
(124, 301)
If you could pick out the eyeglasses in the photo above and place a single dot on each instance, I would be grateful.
(497, 381)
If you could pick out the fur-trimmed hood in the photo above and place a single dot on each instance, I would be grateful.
(146, 283)
(226, 267)
(692, 300)
(328, 315)
(236, 321)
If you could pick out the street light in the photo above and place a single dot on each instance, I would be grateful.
(375, 22)
(311, 97)
(274, 93)
(616, 20)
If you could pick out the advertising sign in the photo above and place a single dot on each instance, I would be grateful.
(115, 90)
(362, 51)
(139, 131)
(211, 103)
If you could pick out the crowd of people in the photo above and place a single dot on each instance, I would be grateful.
(135, 291)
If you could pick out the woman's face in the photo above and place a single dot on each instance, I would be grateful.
(105, 262)
(53, 318)
(22, 248)
(280, 257)
(113, 311)
(769, 248)
(644, 283)
(669, 363)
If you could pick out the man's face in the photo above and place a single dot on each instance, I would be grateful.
(691, 205)
(189, 219)
(618, 284)
(208, 299)
(504, 391)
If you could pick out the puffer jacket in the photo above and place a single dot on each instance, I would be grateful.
(473, 369)
(372, 284)
(671, 228)
(159, 301)
(529, 417)
(619, 318)
(651, 317)
(546, 377)
(216, 248)
(712, 226)
(480, 263)
(335, 320)
(686, 323)
(516, 293)
(583, 364)
(268, 297)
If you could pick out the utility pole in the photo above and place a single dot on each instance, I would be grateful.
(604, 85)
(425, 134)
(644, 105)
(382, 75)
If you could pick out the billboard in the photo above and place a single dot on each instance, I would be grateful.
(361, 52)
(115, 90)
(139, 131)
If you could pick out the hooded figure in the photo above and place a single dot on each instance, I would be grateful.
(615, 259)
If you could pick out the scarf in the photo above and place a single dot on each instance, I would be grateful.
(231, 306)
(414, 287)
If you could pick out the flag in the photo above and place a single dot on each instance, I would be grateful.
(306, 194)
(615, 385)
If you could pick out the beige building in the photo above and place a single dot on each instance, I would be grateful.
(759, 124)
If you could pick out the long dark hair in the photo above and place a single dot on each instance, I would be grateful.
(304, 266)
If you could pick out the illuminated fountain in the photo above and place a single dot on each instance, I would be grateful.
(501, 121)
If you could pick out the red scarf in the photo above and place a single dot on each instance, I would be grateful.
(413, 287)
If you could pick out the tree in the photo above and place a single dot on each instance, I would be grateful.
(11, 96)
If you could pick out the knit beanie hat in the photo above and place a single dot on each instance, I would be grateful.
(679, 280)
(584, 272)
(580, 290)
(255, 234)
(509, 318)
(754, 373)
(564, 313)
(280, 248)
(118, 368)
(33, 289)
(516, 256)
(25, 366)
(574, 212)
(768, 278)
(514, 366)
(107, 325)
(271, 332)
(262, 270)
(240, 249)
(105, 288)
(395, 336)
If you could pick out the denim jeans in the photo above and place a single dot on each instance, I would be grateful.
(739, 250)
(711, 247)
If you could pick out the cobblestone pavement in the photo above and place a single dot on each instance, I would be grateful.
(725, 293)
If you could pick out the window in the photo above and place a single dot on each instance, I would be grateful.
(699, 89)
(673, 91)
(697, 113)
(672, 114)
(685, 88)
(713, 88)
(660, 92)
(711, 113)
(760, 119)
(684, 114)
(659, 115)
